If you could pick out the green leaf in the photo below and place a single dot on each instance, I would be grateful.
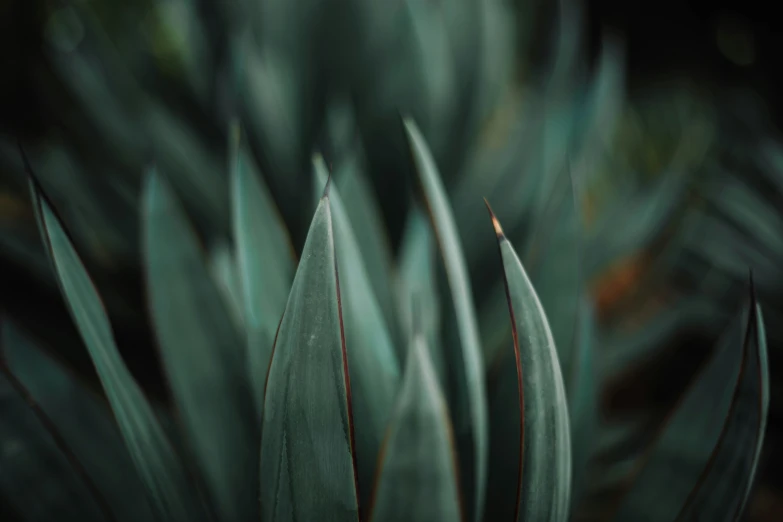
(202, 353)
(468, 403)
(372, 363)
(265, 260)
(223, 267)
(554, 255)
(704, 462)
(372, 238)
(417, 479)
(170, 492)
(529, 412)
(583, 401)
(307, 445)
(418, 283)
(38, 475)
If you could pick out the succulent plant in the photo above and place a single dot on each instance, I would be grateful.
(348, 420)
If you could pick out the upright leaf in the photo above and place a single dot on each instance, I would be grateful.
(264, 258)
(468, 401)
(170, 492)
(372, 363)
(418, 280)
(202, 354)
(529, 412)
(366, 219)
(307, 446)
(417, 480)
(704, 462)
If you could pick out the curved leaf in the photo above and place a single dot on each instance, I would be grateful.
(307, 445)
(170, 492)
(264, 259)
(468, 400)
(202, 354)
(417, 480)
(705, 460)
(37, 475)
(529, 412)
(372, 363)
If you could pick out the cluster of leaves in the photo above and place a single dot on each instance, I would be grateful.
(351, 423)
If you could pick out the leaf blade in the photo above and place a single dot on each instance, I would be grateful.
(372, 363)
(698, 448)
(307, 399)
(418, 461)
(264, 259)
(541, 483)
(202, 353)
(159, 467)
(471, 409)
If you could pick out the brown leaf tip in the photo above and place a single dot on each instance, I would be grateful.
(495, 223)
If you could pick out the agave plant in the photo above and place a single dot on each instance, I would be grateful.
(348, 419)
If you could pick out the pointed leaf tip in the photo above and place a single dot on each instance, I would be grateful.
(495, 223)
(320, 164)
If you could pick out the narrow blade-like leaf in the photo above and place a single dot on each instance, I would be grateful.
(372, 363)
(530, 466)
(372, 238)
(171, 494)
(418, 282)
(62, 455)
(704, 462)
(265, 260)
(417, 470)
(307, 449)
(202, 354)
(468, 401)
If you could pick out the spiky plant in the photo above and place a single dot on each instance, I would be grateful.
(347, 421)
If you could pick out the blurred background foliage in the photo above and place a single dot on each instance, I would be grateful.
(667, 110)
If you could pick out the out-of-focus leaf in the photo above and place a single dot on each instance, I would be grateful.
(583, 401)
(469, 401)
(171, 494)
(418, 284)
(307, 445)
(223, 267)
(372, 239)
(644, 215)
(372, 363)
(264, 260)
(202, 353)
(624, 350)
(554, 255)
(417, 479)
(529, 412)
(704, 461)
(35, 476)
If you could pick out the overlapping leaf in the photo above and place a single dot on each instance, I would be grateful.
(92, 478)
(202, 352)
(372, 362)
(264, 257)
(164, 475)
(468, 396)
(418, 479)
(704, 462)
(307, 445)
